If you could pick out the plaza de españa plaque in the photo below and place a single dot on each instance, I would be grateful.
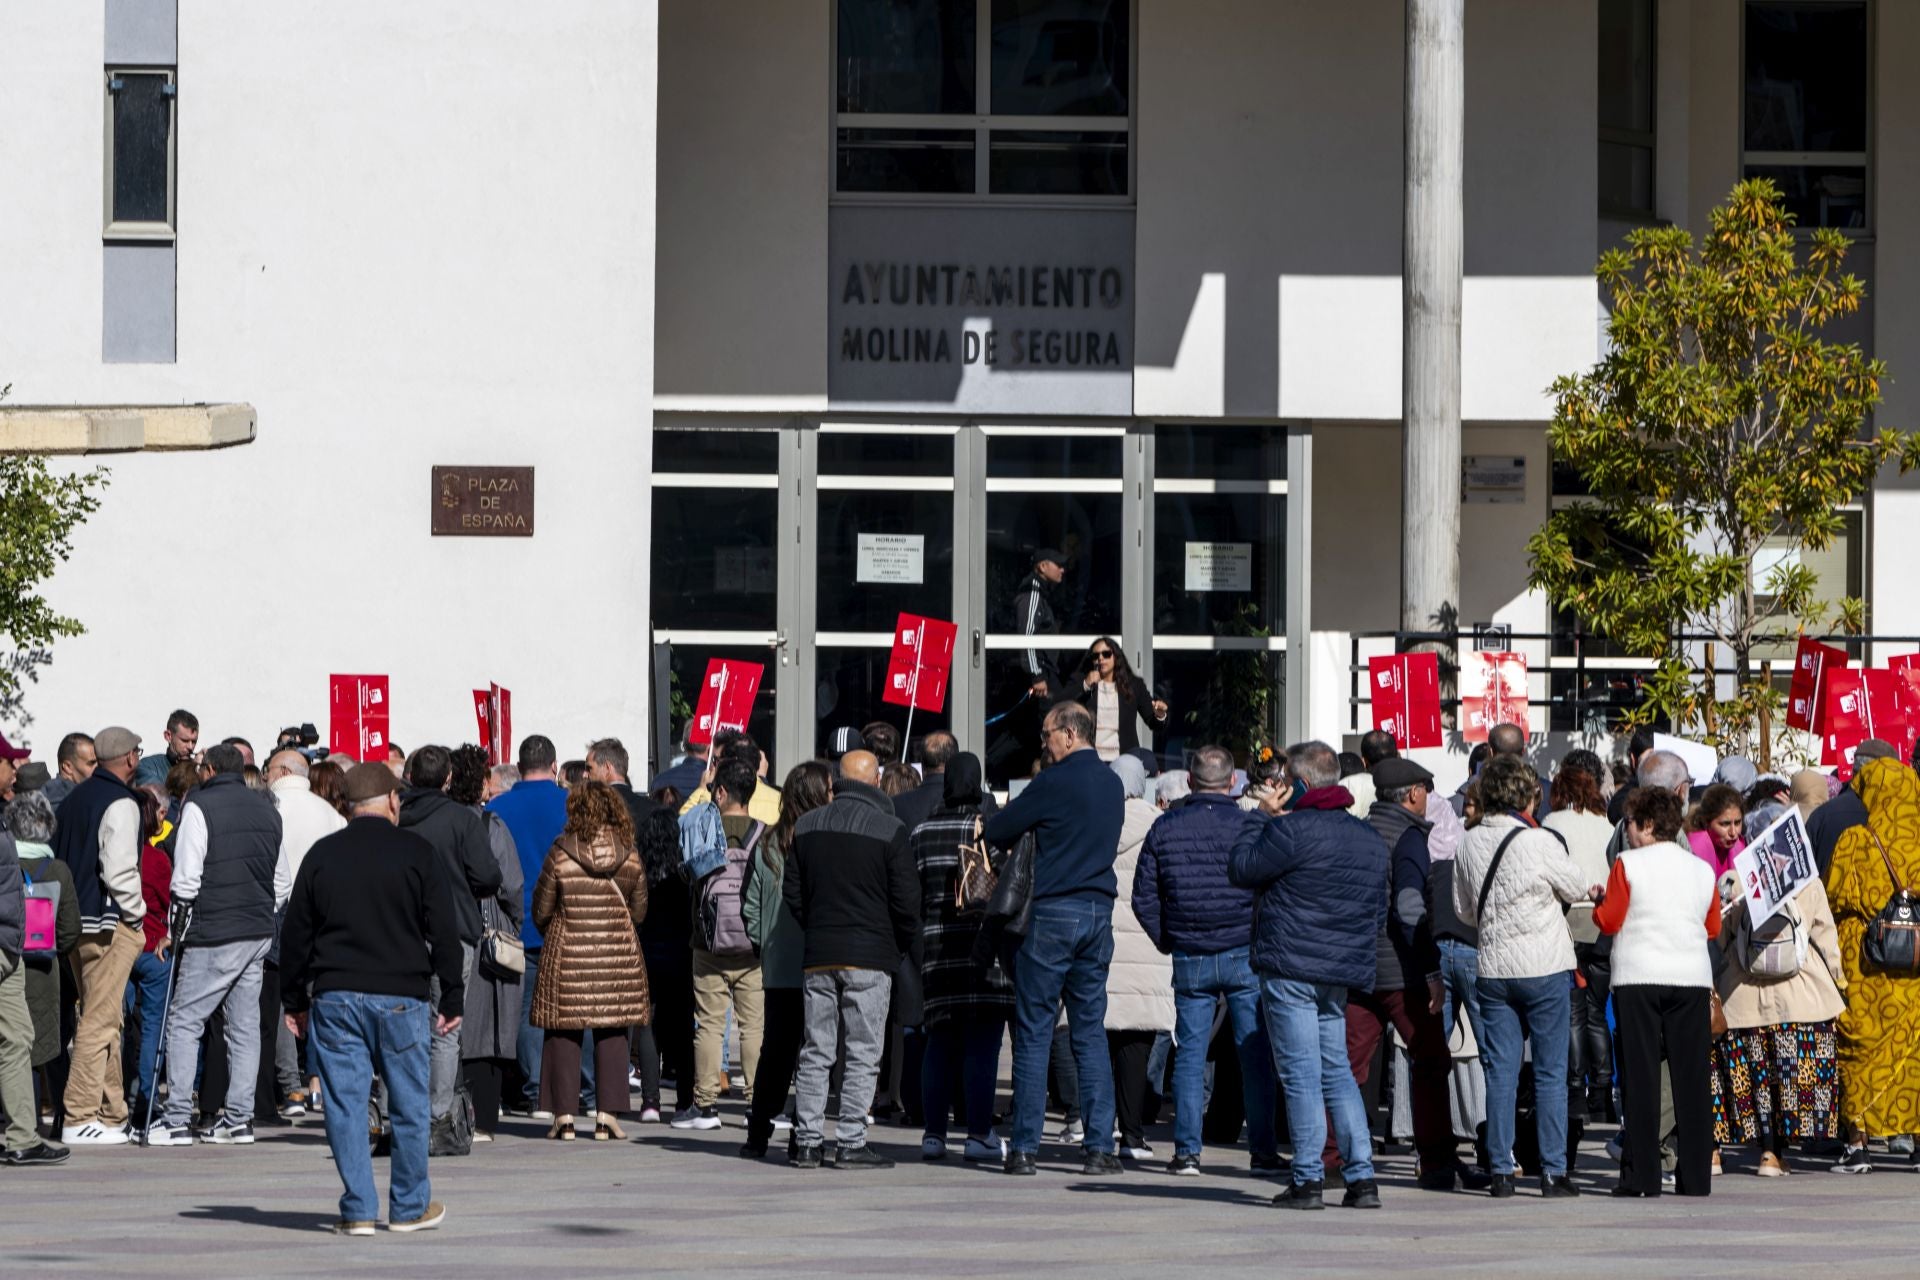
(483, 502)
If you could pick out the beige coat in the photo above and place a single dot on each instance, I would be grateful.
(1811, 995)
(1140, 979)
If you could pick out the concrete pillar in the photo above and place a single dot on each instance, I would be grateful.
(1431, 240)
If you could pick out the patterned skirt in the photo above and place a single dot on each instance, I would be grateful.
(1780, 1083)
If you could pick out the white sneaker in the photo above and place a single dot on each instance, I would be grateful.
(93, 1134)
(633, 1079)
(932, 1148)
(649, 1115)
(540, 1115)
(991, 1147)
(162, 1136)
(782, 1122)
(1141, 1152)
(1073, 1133)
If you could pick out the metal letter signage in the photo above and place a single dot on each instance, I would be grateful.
(483, 502)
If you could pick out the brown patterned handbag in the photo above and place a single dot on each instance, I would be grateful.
(973, 887)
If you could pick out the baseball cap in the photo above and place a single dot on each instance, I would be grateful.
(843, 740)
(1054, 554)
(10, 752)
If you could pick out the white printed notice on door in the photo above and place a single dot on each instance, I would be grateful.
(1219, 566)
(891, 557)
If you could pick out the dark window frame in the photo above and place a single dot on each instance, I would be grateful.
(167, 229)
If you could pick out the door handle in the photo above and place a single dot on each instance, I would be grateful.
(778, 642)
(976, 648)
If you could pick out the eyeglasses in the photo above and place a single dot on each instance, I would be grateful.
(1101, 655)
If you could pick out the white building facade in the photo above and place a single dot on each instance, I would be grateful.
(811, 312)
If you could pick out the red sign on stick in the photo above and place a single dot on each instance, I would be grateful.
(1504, 696)
(726, 698)
(1406, 697)
(360, 712)
(1812, 663)
(922, 660)
(493, 707)
(1862, 705)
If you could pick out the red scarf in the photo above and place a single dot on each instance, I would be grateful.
(1334, 797)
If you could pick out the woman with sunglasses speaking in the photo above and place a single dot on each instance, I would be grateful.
(1116, 698)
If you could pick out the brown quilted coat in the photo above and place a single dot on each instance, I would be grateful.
(587, 902)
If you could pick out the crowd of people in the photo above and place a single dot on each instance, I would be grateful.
(192, 946)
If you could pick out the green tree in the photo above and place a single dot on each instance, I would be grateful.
(38, 513)
(1718, 422)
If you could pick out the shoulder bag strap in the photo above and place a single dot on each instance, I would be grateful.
(1891, 873)
(1493, 868)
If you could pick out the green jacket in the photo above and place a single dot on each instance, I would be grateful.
(769, 921)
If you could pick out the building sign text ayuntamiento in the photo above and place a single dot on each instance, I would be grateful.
(1088, 299)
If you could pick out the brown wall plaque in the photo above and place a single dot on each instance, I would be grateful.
(483, 502)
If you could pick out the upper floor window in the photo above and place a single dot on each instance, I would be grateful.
(140, 153)
(1627, 39)
(1014, 98)
(1806, 106)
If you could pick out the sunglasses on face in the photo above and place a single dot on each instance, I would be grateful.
(1102, 655)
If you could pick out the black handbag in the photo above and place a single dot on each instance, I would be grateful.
(1892, 942)
(1011, 906)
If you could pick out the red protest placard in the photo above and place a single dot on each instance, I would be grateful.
(1503, 696)
(1861, 705)
(921, 661)
(493, 708)
(1812, 661)
(359, 715)
(1406, 697)
(726, 698)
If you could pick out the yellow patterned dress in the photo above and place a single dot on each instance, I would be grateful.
(1880, 1030)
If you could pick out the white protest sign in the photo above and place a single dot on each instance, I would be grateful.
(1701, 758)
(1777, 865)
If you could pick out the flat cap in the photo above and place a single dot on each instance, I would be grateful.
(1397, 771)
(33, 776)
(113, 742)
(369, 781)
(1875, 749)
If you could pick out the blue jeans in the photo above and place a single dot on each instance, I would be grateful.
(147, 990)
(1307, 1022)
(353, 1036)
(531, 1039)
(1511, 1010)
(1197, 981)
(1067, 950)
(1460, 972)
(975, 1043)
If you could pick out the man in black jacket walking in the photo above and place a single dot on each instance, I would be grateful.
(369, 926)
(856, 894)
(230, 876)
(459, 840)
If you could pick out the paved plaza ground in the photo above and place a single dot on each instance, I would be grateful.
(674, 1203)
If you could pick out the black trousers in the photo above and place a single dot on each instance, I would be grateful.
(1590, 1062)
(783, 1025)
(665, 1046)
(486, 1077)
(1128, 1050)
(1670, 1023)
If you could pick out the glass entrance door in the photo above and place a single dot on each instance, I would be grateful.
(797, 544)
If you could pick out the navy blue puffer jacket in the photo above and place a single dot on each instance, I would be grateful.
(1321, 875)
(1181, 893)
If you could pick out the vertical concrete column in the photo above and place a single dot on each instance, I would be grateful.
(1431, 251)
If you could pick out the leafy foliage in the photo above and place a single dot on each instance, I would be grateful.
(38, 513)
(1718, 422)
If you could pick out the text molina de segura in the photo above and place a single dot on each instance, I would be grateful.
(1090, 290)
